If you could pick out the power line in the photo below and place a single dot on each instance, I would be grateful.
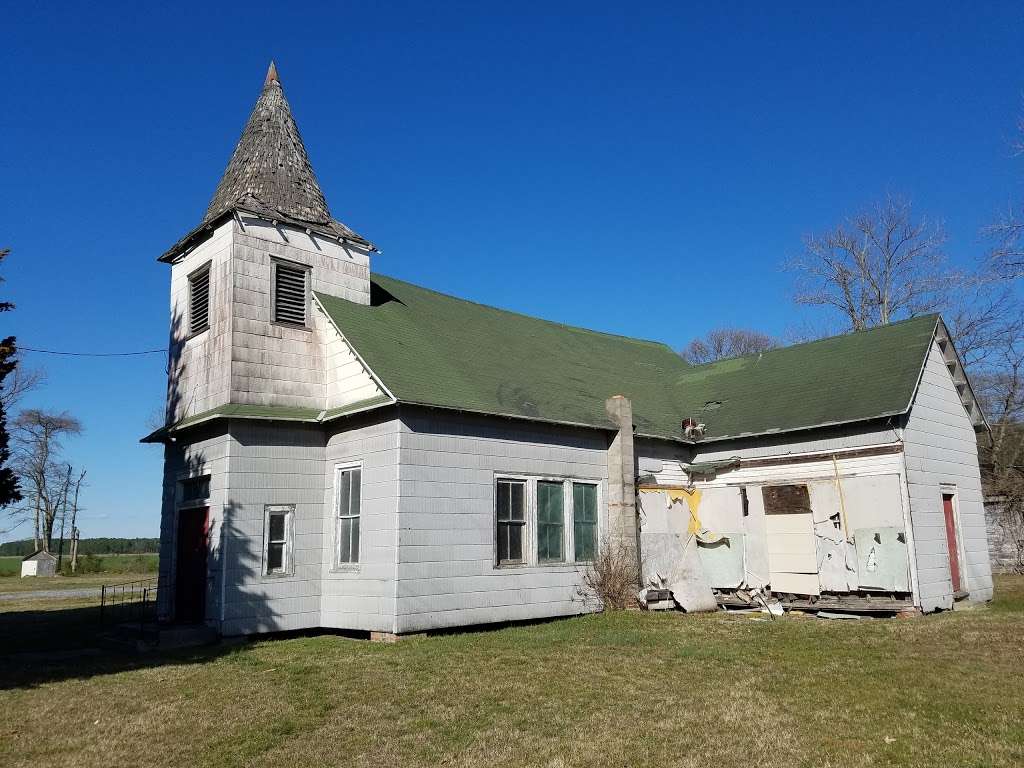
(91, 354)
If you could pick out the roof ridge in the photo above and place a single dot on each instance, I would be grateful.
(531, 317)
(833, 337)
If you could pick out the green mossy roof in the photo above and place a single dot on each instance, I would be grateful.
(438, 350)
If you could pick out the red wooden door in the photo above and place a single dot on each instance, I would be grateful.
(190, 579)
(954, 550)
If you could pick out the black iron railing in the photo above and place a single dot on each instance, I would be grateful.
(130, 601)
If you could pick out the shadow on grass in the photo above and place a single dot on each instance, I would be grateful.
(46, 646)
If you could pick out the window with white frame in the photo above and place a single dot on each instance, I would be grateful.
(199, 300)
(511, 521)
(291, 293)
(277, 549)
(347, 497)
(544, 521)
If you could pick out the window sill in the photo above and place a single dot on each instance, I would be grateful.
(292, 326)
(275, 576)
(347, 568)
(542, 566)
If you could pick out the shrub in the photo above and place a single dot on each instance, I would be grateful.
(612, 580)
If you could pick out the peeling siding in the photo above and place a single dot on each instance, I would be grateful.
(941, 447)
(446, 571)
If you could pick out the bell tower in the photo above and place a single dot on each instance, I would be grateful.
(246, 328)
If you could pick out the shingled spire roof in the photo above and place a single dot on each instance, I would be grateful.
(270, 164)
(270, 174)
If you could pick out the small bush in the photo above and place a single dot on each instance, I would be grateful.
(613, 579)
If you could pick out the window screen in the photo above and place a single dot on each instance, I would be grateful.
(199, 301)
(290, 294)
(584, 520)
(348, 502)
(510, 514)
(550, 522)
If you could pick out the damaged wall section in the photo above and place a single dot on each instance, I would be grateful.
(818, 529)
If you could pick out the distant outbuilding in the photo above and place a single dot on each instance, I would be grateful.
(39, 563)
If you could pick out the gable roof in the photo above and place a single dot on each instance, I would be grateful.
(858, 376)
(437, 350)
(432, 349)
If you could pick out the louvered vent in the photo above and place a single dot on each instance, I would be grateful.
(199, 302)
(289, 294)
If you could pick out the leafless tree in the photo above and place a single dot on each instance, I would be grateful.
(21, 381)
(38, 445)
(878, 266)
(723, 343)
(1007, 232)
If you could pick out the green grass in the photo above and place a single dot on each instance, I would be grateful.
(617, 689)
(109, 564)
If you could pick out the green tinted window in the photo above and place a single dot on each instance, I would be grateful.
(584, 520)
(550, 522)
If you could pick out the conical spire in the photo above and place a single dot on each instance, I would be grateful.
(269, 169)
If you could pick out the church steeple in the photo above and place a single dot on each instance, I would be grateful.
(269, 168)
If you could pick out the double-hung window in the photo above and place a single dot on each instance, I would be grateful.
(550, 521)
(545, 520)
(584, 521)
(511, 521)
(348, 491)
(277, 553)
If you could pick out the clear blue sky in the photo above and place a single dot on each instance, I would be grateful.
(633, 168)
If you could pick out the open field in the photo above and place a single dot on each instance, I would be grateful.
(611, 690)
(105, 565)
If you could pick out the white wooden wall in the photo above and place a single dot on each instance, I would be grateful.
(207, 454)
(246, 358)
(274, 364)
(201, 376)
(941, 448)
(446, 572)
(362, 596)
(272, 463)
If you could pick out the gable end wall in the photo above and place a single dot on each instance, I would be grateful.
(940, 447)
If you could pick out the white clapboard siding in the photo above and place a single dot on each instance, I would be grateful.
(446, 571)
(207, 454)
(199, 376)
(347, 380)
(279, 464)
(362, 596)
(941, 448)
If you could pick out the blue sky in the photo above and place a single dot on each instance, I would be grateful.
(635, 168)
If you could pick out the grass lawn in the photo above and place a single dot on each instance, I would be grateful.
(85, 581)
(617, 689)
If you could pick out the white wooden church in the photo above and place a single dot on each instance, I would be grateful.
(347, 450)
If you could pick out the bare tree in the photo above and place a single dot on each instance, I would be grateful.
(1007, 232)
(20, 382)
(723, 343)
(38, 438)
(878, 266)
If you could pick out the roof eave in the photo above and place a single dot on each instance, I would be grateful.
(204, 230)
